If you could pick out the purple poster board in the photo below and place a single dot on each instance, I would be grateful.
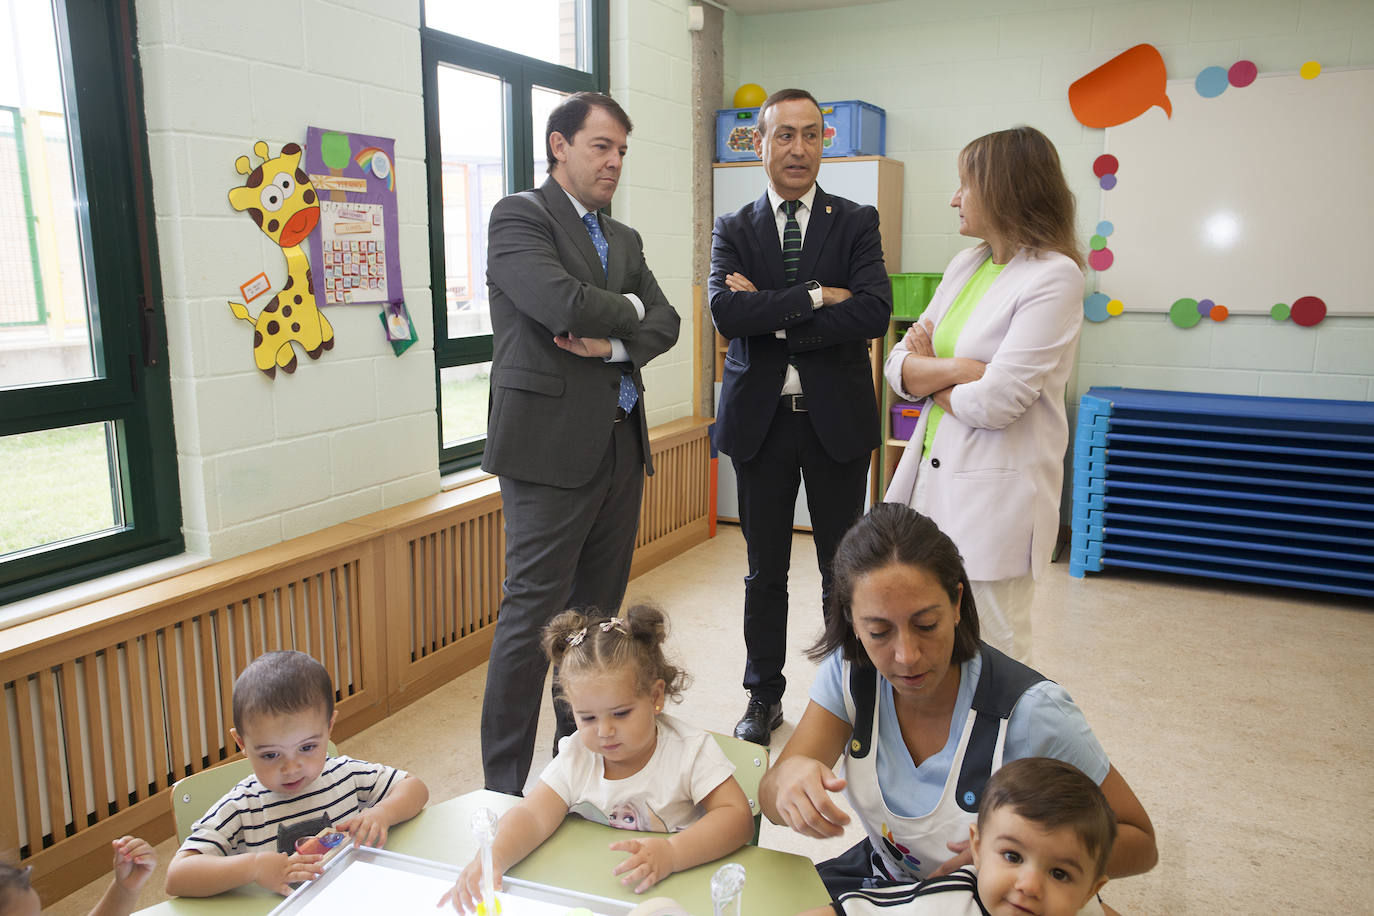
(355, 254)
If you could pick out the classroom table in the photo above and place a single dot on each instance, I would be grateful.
(576, 857)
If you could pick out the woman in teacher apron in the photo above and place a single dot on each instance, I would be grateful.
(918, 713)
(989, 359)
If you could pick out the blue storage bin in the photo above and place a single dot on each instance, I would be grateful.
(852, 128)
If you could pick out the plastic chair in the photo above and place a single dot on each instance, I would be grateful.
(193, 795)
(751, 761)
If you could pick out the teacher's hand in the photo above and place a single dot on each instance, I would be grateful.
(964, 857)
(583, 346)
(803, 797)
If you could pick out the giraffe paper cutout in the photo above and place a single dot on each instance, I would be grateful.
(279, 197)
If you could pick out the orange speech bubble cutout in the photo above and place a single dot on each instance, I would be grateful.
(1123, 88)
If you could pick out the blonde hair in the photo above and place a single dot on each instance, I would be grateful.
(587, 642)
(1020, 188)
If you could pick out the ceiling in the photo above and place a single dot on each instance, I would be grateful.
(752, 7)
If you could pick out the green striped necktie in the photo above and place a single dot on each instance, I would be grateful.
(791, 240)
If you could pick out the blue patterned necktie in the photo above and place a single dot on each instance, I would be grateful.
(791, 240)
(628, 393)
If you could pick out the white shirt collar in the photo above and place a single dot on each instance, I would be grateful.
(806, 199)
(577, 204)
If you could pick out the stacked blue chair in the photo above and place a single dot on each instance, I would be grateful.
(1277, 491)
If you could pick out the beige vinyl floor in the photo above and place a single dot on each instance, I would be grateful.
(1242, 716)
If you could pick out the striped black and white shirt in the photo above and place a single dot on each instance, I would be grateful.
(954, 894)
(249, 817)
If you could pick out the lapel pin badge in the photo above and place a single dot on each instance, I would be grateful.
(827, 208)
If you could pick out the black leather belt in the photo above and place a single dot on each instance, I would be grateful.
(794, 402)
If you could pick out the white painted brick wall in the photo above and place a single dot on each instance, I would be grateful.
(947, 71)
(651, 56)
(354, 431)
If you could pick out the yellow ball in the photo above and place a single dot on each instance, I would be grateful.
(750, 95)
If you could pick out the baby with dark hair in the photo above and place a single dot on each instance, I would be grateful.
(284, 712)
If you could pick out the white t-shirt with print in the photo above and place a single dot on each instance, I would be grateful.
(665, 796)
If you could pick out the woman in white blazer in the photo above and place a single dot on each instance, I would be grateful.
(990, 359)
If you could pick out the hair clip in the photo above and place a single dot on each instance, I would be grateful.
(614, 623)
(575, 639)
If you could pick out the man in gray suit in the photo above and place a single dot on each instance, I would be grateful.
(575, 314)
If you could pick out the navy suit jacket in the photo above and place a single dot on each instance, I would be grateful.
(829, 345)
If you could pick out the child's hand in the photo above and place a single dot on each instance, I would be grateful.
(276, 871)
(466, 892)
(367, 828)
(651, 860)
(134, 861)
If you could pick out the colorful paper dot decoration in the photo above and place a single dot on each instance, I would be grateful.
(1106, 164)
(1101, 260)
(1308, 310)
(1097, 243)
(1279, 312)
(1219, 313)
(1095, 307)
(1105, 228)
(1242, 73)
(1204, 307)
(1310, 70)
(1184, 314)
(1116, 307)
(1107, 182)
(1211, 82)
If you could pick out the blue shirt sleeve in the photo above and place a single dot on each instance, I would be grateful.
(1047, 723)
(827, 689)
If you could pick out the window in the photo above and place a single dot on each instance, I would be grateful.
(90, 482)
(493, 72)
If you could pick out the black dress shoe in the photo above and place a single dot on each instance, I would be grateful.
(760, 718)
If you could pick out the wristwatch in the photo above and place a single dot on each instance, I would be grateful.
(814, 288)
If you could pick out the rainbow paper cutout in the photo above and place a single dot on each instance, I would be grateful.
(364, 160)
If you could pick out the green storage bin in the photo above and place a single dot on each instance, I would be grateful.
(911, 293)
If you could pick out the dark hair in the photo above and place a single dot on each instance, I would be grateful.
(571, 114)
(784, 95)
(582, 642)
(14, 883)
(1052, 794)
(282, 682)
(892, 533)
(1021, 190)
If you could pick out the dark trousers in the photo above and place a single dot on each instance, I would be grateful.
(565, 548)
(790, 455)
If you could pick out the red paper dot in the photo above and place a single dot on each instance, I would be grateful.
(1100, 260)
(1242, 73)
(1308, 310)
(1218, 313)
(1105, 164)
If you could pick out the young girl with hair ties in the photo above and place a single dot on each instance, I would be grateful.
(627, 755)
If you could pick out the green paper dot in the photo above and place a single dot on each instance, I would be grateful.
(1184, 313)
(1279, 312)
(334, 150)
(1097, 243)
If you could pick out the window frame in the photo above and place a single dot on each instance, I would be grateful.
(519, 75)
(98, 45)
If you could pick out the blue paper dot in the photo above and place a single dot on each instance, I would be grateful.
(1204, 307)
(1107, 182)
(1095, 307)
(1212, 82)
(1105, 228)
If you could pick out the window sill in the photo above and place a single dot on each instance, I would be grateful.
(93, 590)
(462, 479)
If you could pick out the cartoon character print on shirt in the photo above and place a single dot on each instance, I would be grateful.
(900, 852)
(625, 814)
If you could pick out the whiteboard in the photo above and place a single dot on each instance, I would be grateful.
(1259, 196)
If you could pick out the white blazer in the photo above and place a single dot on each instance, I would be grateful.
(998, 458)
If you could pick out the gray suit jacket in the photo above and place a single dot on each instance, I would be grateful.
(551, 412)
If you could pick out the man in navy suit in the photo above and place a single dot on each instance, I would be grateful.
(799, 287)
